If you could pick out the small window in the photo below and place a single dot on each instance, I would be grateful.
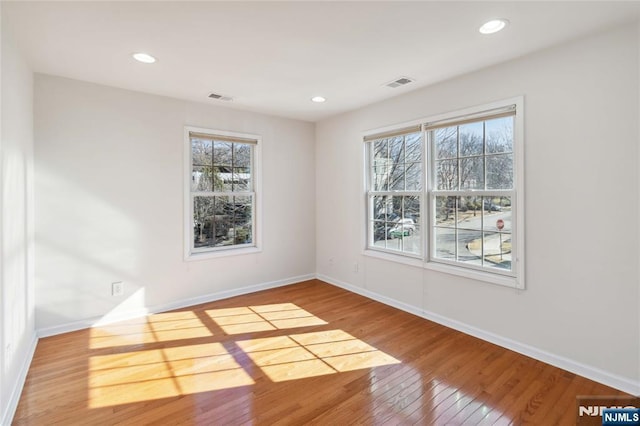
(221, 186)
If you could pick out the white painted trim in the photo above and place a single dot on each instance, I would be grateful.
(14, 398)
(225, 294)
(371, 295)
(619, 382)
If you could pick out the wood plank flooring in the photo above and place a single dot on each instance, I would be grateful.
(308, 353)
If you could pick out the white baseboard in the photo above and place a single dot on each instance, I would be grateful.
(593, 373)
(14, 397)
(225, 294)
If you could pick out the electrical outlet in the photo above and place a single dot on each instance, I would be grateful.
(117, 288)
(356, 267)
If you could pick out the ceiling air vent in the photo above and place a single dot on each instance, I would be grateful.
(220, 97)
(399, 82)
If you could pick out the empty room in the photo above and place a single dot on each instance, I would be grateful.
(329, 213)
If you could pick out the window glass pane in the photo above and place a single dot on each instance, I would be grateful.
(380, 152)
(396, 177)
(396, 212)
(445, 211)
(413, 177)
(241, 179)
(222, 221)
(445, 243)
(201, 159)
(469, 213)
(470, 246)
(411, 207)
(241, 155)
(222, 179)
(241, 210)
(382, 208)
(471, 139)
(203, 213)
(201, 178)
(380, 232)
(384, 219)
(497, 250)
(404, 233)
(396, 149)
(446, 142)
(380, 178)
(447, 174)
(216, 183)
(497, 214)
(499, 135)
(472, 173)
(396, 223)
(413, 148)
(222, 153)
(500, 171)
(201, 152)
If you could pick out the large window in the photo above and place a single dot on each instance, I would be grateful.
(220, 208)
(449, 193)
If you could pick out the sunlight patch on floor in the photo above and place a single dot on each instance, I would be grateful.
(252, 319)
(312, 354)
(163, 327)
(162, 373)
(181, 369)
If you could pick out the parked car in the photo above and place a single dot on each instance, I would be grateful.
(383, 225)
(402, 228)
(490, 207)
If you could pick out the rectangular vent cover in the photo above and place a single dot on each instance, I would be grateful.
(399, 82)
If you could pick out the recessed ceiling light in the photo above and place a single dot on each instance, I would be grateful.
(318, 99)
(493, 26)
(144, 57)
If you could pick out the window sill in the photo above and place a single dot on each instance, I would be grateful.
(487, 277)
(206, 255)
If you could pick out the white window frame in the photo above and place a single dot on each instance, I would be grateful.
(370, 139)
(190, 252)
(514, 278)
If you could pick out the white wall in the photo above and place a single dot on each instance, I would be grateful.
(581, 166)
(109, 192)
(17, 335)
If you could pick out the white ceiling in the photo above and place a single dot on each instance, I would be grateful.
(272, 57)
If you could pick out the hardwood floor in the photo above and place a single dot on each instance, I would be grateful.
(309, 353)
